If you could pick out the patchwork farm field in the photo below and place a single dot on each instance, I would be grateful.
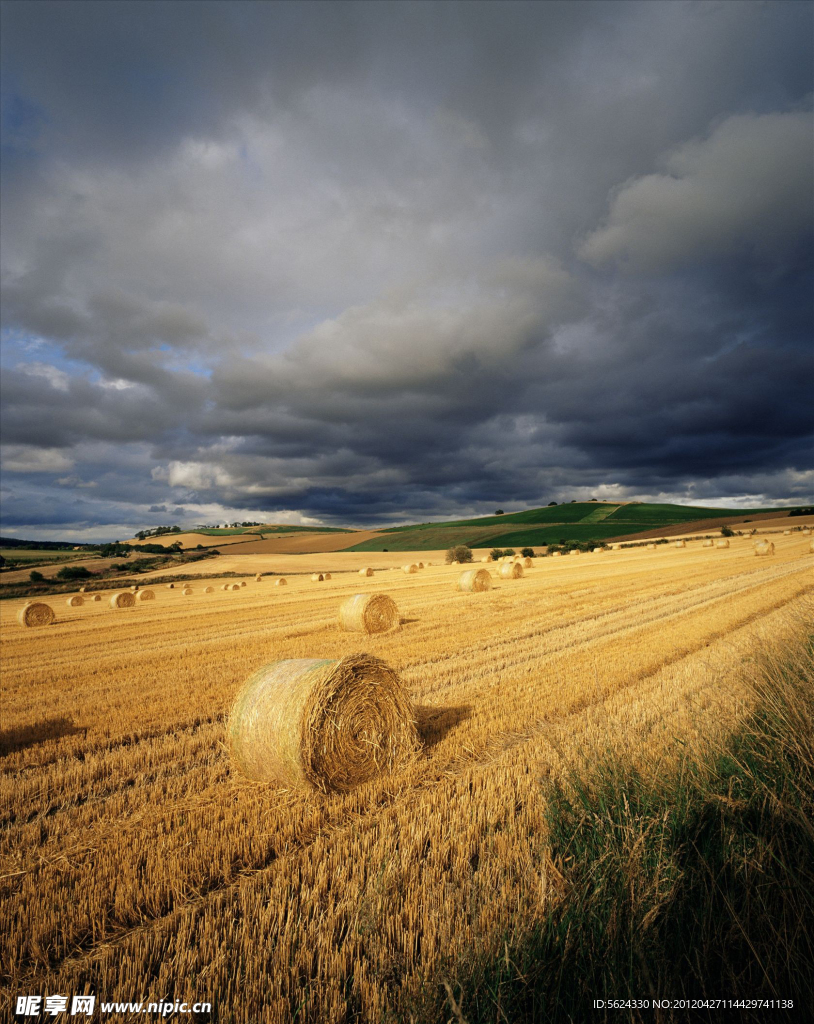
(136, 864)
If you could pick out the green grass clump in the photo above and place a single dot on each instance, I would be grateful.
(695, 886)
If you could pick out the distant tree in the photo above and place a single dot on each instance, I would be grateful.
(384, 549)
(36, 577)
(527, 552)
(573, 501)
(73, 572)
(499, 512)
(551, 503)
(2, 561)
(460, 553)
(509, 551)
(496, 553)
(726, 532)
(593, 499)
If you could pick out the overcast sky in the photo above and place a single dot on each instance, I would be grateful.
(384, 262)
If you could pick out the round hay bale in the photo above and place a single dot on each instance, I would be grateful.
(651, 547)
(679, 543)
(456, 562)
(97, 597)
(133, 589)
(811, 546)
(765, 547)
(317, 577)
(574, 551)
(235, 586)
(281, 582)
(511, 571)
(75, 601)
(209, 590)
(708, 544)
(170, 586)
(806, 532)
(122, 599)
(528, 562)
(410, 569)
(327, 575)
(722, 543)
(368, 613)
(475, 581)
(787, 533)
(243, 583)
(82, 590)
(322, 724)
(420, 565)
(556, 554)
(486, 558)
(429, 564)
(187, 591)
(258, 579)
(225, 586)
(36, 613)
(366, 572)
(145, 595)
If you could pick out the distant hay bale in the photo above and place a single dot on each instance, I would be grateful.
(486, 558)
(82, 590)
(317, 577)
(209, 590)
(764, 547)
(429, 564)
(368, 613)
(811, 546)
(708, 544)
(133, 589)
(170, 586)
(235, 586)
(122, 599)
(187, 591)
(281, 582)
(366, 572)
(225, 586)
(556, 554)
(97, 597)
(528, 562)
(806, 532)
(722, 543)
(475, 581)
(243, 583)
(679, 543)
(327, 575)
(420, 565)
(322, 724)
(75, 601)
(511, 571)
(36, 613)
(787, 533)
(409, 569)
(258, 579)
(574, 551)
(145, 595)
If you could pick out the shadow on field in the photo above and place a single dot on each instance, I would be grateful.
(434, 722)
(23, 736)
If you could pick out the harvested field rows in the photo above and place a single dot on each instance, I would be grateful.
(135, 864)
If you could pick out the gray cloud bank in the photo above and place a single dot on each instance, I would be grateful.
(367, 263)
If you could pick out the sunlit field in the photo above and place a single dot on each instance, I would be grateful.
(138, 866)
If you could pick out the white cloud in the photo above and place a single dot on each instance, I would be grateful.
(195, 475)
(746, 186)
(57, 378)
(21, 458)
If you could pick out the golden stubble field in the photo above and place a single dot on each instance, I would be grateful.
(136, 865)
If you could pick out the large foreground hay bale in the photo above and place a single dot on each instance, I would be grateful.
(475, 581)
(366, 572)
(708, 544)
(145, 595)
(723, 543)
(317, 577)
(281, 582)
(765, 547)
(368, 613)
(75, 601)
(322, 724)
(409, 569)
(122, 599)
(36, 613)
(511, 571)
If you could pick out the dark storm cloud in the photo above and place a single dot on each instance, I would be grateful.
(377, 262)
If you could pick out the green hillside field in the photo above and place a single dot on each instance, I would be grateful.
(580, 521)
